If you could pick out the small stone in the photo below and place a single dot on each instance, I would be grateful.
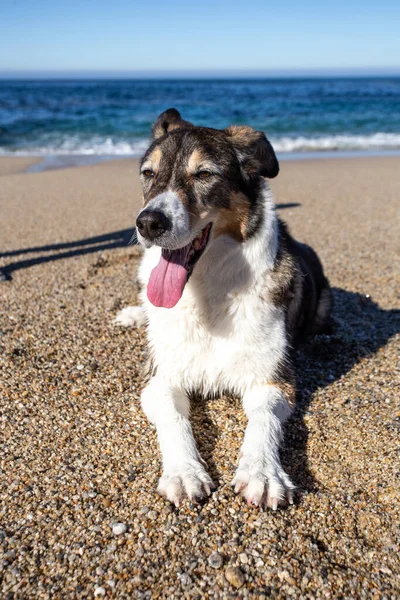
(99, 571)
(80, 367)
(184, 578)
(244, 559)
(259, 562)
(235, 576)
(215, 560)
(119, 528)
(385, 570)
(152, 515)
(99, 591)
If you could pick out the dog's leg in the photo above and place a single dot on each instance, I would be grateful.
(131, 316)
(183, 468)
(259, 476)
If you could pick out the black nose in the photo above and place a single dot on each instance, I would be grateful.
(152, 223)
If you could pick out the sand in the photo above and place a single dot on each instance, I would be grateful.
(10, 165)
(79, 516)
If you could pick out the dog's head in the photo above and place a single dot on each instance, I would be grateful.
(198, 184)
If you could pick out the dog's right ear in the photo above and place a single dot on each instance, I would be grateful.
(168, 121)
(255, 153)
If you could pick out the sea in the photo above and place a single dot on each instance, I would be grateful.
(84, 121)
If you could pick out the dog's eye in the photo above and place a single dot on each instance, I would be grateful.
(148, 173)
(204, 174)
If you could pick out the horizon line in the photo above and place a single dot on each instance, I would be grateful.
(8, 74)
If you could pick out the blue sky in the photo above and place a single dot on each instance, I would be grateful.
(174, 35)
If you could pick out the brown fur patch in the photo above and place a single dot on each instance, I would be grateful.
(174, 126)
(153, 160)
(243, 133)
(285, 381)
(195, 160)
(233, 221)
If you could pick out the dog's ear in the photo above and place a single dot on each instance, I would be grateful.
(255, 153)
(168, 121)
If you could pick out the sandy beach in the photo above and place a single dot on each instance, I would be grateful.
(78, 454)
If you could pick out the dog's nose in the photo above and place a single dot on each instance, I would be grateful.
(152, 223)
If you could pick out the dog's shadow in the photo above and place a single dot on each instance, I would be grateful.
(358, 329)
(60, 251)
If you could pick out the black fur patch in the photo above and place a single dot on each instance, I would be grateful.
(300, 285)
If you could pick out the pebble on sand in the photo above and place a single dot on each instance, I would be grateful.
(215, 560)
(235, 576)
(99, 591)
(118, 528)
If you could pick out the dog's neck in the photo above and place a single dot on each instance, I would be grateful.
(232, 266)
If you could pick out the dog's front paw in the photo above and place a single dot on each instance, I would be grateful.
(262, 483)
(131, 316)
(189, 480)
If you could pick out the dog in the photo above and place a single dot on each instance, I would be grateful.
(226, 293)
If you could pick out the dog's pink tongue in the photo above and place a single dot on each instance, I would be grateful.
(168, 279)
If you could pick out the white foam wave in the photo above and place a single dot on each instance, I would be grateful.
(375, 141)
(98, 146)
(75, 146)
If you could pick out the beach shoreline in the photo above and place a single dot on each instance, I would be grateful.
(38, 163)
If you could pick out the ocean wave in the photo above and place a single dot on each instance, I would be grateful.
(98, 146)
(375, 141)
(75, 146)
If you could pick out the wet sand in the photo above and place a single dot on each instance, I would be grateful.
(10, 165)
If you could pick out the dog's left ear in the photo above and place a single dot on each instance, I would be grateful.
(255, 153)
(168, 121)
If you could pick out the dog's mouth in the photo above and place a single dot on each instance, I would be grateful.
(169, 277)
